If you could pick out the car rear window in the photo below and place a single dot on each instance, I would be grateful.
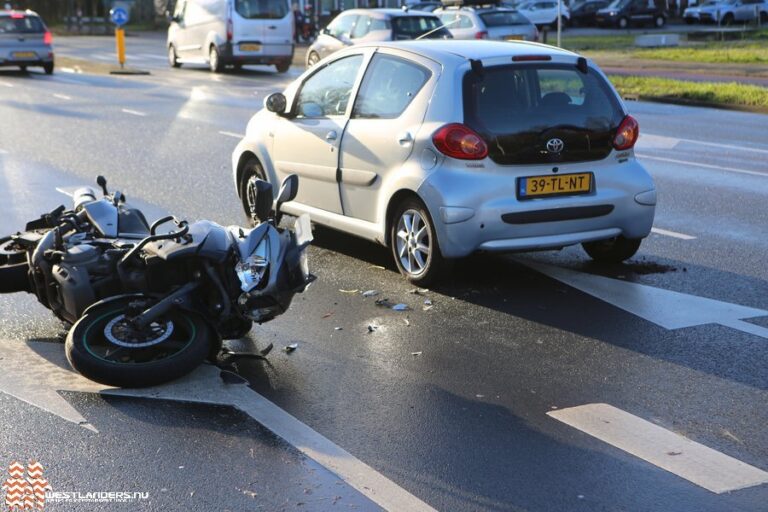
(518, 108)
(411, 27)
(262, 9)
(503, 19)
(20, 24)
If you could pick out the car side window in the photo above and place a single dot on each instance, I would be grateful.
(327, 92)
(389, 86)
(361, 27)
(342, 26)
(465, 22)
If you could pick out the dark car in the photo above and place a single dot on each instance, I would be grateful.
(583, 14)
(624, 13)
(25, 41)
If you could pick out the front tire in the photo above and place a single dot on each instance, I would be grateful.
(13, 267)
(728, 19)
(252, 170)
(413, 240)
(173, 59)
(623, 22)
(312, 59)
(613, 250)
(283, 67)
(659, 21)
(105, 348)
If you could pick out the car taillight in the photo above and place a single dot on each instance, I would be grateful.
(483, 34)
(627, 134)
(17, 16)
(458, 141)
(48, 37)
(230, 30)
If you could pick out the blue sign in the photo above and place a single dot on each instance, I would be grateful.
(119, 16)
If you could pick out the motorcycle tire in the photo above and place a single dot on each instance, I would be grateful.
(104, 348)
(13, 268)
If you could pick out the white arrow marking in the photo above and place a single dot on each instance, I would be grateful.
(671, 310)
(34, 372)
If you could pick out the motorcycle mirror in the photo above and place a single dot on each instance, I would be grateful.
(102, 182)
(263, 203)
(276, 103)
(288, 190)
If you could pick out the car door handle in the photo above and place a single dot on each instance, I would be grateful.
(331, 135)
(404, 138)
(272, 27)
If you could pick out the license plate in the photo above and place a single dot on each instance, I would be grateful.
(554, 185)
(513, 38)
(250, 47)
(24, 55)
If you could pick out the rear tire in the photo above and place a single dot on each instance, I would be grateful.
(728, 20)
(414, 244)
(252, 170)
(48, 68)
(14, 269)
(613, 250)
(185, 341)
(23, 69)
(623, 22)
(283, 67)
(214, 60)
(659, 21)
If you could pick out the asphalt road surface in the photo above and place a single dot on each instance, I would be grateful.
(487, 400)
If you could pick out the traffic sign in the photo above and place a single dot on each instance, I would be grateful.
(119, 16)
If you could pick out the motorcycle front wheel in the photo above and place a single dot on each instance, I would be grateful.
(13, 267)
(105, 347)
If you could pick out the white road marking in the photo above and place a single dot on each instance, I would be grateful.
(134, 112)
(706, 166)
(673, 234)
(668, 309)
(671, 142)
(679, 455)
(6, 84)
(62, 96)
(35, 371)
(150, 56)
(232, 134)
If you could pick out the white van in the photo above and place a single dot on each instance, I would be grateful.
(231, 32)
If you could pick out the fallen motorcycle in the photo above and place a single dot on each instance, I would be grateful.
(149, 306)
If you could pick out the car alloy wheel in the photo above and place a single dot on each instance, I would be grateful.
(623, 22)
(313, 59)
(413, 242)
(660, 21)
(214, 61)
(173, 60)
(252, 171)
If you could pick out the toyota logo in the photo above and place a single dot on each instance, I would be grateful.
(555, 145)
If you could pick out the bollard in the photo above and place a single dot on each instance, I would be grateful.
(120, 41)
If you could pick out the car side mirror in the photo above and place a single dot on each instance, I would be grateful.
(344, 38)
(276, 103)
(325, 31)
(288, 191)
(263, 202)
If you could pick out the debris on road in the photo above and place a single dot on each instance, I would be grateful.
(419, 291)
(328, 315)
(377, 267)
(427, 302)
(349, 291)
(407, 322)
(427, 307)
(338, 328)
(401, 307)
(290, 348)
(416, 353)
(385, 303)
(479, 396)
(370, 293)
(372, 328)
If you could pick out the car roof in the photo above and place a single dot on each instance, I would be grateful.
(28, 12)
(387, 13)
(479, 10)
(476, 50)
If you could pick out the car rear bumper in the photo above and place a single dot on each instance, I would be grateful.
(268, 53)
(480, 210)
(40, 57)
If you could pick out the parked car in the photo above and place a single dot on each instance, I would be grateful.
(223, 33)
(625, 13)
(424, 6)
(729, 12)
(356, 26)
(25, 41)
(583, 14)
(438, 149)
(487, 23)
(544, 13)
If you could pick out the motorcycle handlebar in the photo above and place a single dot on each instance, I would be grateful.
(161, 221)
(154, 238)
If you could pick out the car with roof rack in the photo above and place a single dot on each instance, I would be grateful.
(25, 41)
(356, 26)
(543, 13)
(439, 149)
(486, 20)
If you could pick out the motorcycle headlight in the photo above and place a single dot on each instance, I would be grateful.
(251, 270)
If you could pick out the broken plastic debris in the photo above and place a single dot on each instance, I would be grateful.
(401, 307)
(349, 291)
(328, 315)
(427, 308)
(338, 328)
(479, 396)
(427, 302)
(385, 303)
(407, 322)
(378, 267)
(416, 353)
(372, 328)
(419, 291)
(291, 347)
(370, 293)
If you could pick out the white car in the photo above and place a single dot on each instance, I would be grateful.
(492, 22)
(543, 13)
(729, 12)
(441, 148)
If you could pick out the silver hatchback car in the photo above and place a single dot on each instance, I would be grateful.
(438, 149)
(25, 41)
